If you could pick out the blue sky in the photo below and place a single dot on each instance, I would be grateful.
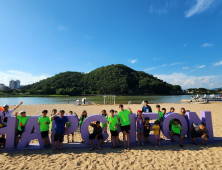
(177, 41)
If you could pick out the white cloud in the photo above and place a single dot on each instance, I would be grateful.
(218, 63)
(185, 45)
(207, 45)
(133, 61)
(185, 68)
(88, 37)
(153, 68)
(60, 28)
(25, 78)
(176, 63)
(202, 66)
(199, 7)
(157, 58)
(191, 81)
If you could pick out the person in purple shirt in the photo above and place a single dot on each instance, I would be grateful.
(146, 107)
(140, 126)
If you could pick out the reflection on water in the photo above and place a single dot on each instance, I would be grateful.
(95, 99)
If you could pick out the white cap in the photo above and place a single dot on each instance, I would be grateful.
(6, 105)
(22, 111)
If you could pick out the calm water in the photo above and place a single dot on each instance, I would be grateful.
(95, 99)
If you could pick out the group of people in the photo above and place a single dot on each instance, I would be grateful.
(123, 121)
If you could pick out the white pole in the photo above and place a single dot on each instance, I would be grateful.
(114, 99)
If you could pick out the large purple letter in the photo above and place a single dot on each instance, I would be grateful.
(85, 124)
(10, 132)
(166, 122)
(32, 131)
(205, 117)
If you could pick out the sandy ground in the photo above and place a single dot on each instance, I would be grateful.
(147, 157)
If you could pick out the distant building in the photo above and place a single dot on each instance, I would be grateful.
(2, 87)
(14, 84)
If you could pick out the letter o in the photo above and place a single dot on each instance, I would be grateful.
(166, 122)
(84, 128)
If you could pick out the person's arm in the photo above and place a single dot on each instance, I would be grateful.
(75, 114)
(53, 117)
(137, 119)
(39, 121)
(130, 110)
(47, 122)
(16, 107)
(180, 127)
(143, 118)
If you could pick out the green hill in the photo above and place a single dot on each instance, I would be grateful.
(112, 79)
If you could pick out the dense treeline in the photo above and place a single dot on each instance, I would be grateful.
(112, 79)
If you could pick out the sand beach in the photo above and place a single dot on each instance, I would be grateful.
(139, 157)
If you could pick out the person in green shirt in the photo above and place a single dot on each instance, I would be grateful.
(44, 122)
(54, 111)
(113, 123)
(124, 121)
(21, 126)
(104, 126)
(160, 113)
(82, 118)
(175, 131)
(182, 112)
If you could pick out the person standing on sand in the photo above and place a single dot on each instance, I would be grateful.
(146, 107)
(61, 126)
(44, 122)
(124, 120)
(113, 123)
(54, 111)
(82, 118)
(21, 126)
(7, 113)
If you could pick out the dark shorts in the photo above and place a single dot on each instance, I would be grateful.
(125, 128)
(2, 140)
(92, 136)
(58, 136)
(45, 134)
(194, 134)
(146, 133)
(114, 133)
(19, 134)
(175, 134)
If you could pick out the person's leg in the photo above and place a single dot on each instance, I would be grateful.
(17, 141)
(45, 141)
(60, 145)
(141, 134)
(113, 141)
(128, 139)
(181, 139)
(148, 139)
(67, 138)
(91, 143)
(205, 139)
(156, 142)
(117, 140)
(194, 141)
(100, 141)
(138, 139)
(55, 143)
(171, 135)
